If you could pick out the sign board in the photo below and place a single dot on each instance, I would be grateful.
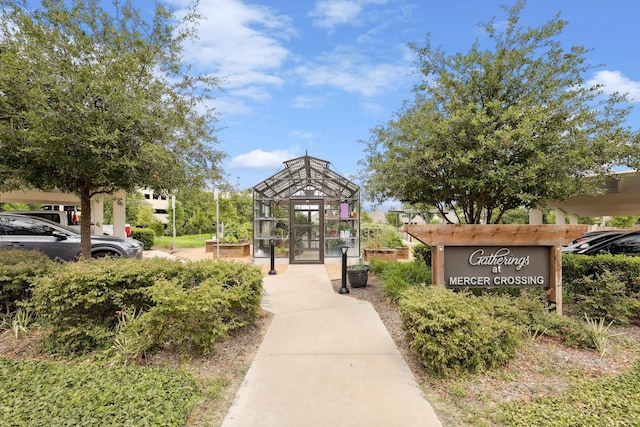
(478, 253)
(496, 266)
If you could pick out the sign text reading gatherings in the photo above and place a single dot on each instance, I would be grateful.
(498, 258)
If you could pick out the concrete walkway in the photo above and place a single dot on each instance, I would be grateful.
(326, 360)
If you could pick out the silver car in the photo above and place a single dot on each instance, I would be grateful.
(60, 242)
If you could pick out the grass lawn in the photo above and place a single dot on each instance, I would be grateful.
(182, 242)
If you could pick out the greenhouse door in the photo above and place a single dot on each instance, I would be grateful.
(306, 240)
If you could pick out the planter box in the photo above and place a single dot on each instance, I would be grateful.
(403, 253)
(386, 254)
(229, 250)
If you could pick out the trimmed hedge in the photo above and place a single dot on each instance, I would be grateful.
(18, 268)
(451, 333)
(576, 267)
(602, 287)
(456, 332)
(83, 304)
(144, 235)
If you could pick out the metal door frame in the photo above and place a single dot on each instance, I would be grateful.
(292, 213)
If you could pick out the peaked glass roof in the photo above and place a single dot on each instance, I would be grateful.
(303, 177)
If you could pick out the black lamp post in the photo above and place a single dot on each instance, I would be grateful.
(343, 288)
(272, 243)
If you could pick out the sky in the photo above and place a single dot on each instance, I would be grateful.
(315, 76)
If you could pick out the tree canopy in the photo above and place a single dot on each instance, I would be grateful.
(499, 127)
(95, 101)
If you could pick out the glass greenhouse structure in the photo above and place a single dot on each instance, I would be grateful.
(307, 211)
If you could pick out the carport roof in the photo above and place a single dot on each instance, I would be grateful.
(306, 174)
(620, 197)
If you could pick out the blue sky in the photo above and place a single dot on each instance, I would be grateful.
(316, 75)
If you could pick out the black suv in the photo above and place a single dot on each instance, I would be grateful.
(624, 244)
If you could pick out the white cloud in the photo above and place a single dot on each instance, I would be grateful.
(615, 81)
(308, 102)
(259, 159)
(243, 43)
(331, 13)
(349, 71)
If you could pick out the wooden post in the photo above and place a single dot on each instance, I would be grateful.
(437, 265)
(555, 281)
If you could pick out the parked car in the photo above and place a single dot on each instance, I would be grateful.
(56, 216)
(59, 242)
(624, 244)
(587, 240)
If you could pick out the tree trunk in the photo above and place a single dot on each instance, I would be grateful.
(85, 224)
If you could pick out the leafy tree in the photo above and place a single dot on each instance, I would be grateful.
(19, 207)
(92, 102)
(201, 204)
(515, 216)
(198, 223)
(200, 209)
(589, 220)
(506, 126)
(365, 217)
(146, 218)
(392, 218)
(243, 202)
(622, 221)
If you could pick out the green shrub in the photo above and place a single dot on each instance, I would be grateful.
(377, 266)
(451, 333)
(605, 297)
(234, 232)
(396, 277)
(529, 311)
(602, 287)
(82, 303)
(79, 302)
(17, 270)
(526, 309)
(380, 237)
(422, 253)
(576, 267)
(195, 318)
(145, 235)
